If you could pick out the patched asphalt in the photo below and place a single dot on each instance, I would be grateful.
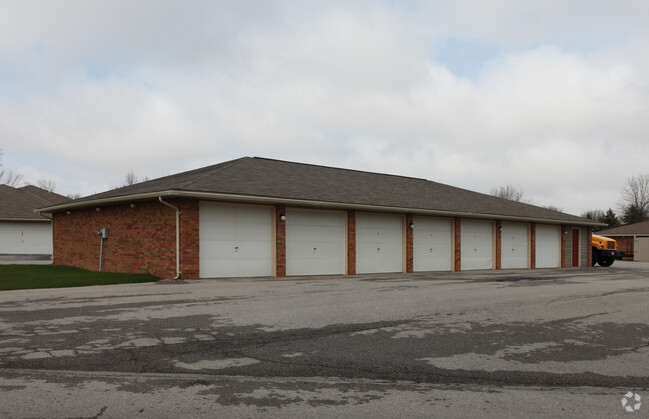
(514, 329)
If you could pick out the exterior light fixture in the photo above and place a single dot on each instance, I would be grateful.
(500, 228)
(98, 209)
(412, 226)
(68, 212)
(132, 204)
(282, 217)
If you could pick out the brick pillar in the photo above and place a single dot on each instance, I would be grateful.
(458, 244)
(499, 244)
(532, 245)
(351, 242)
(589, 236)
(189, 239)
(564, 258)
(280, 241)
(409, 244)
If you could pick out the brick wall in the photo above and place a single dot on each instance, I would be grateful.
(625, 244)
(499, 242)
(140, 239)
(458, 243)
(409, 244)
(351, 242)
(143, 240)
(280, 241)
(532, 245)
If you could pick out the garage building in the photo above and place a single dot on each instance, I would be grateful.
(23, 231)
(261, 217)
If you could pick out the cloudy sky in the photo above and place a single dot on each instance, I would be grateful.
(550, 96)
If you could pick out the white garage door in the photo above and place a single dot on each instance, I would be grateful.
(514, 246)
(315, 242)
(477, 244)
(26, 238)
(379, 243)
(235, 241)
(432, 244)
(548, 246)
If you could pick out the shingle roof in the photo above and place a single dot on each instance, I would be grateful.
(281, 180)
(20, 203)
(627, 230)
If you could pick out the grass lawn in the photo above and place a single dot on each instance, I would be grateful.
(18, 277)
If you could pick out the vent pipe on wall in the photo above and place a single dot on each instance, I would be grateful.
(177, 236)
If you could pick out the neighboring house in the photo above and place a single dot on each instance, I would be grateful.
(23, 231)
(632, 239)
(262, 217)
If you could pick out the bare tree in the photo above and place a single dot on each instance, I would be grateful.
(552, 207)
(508, 192)
(131, 179)
(48, 185)
(635, 196)
(9, 177)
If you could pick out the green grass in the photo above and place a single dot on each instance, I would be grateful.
(19, 277)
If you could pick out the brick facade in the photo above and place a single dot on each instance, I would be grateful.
(532, 245)
(499, 247)
(457, 228)
(280, 241)
(625, 244)
(142, 239)
(409, 244)
(351, 242)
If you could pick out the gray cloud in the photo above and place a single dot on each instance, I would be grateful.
(555, 102)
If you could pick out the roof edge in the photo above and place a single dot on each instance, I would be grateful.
(252, 199)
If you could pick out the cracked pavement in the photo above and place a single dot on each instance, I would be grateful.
(487, 342)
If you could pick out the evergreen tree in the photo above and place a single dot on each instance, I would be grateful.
(609, 218)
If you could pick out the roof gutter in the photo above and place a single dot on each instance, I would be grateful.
(178, 273)
(28, 220)
(304, 202)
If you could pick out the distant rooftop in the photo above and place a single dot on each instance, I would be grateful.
(18, 204)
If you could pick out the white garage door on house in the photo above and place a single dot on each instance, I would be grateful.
(24, 238)
(514, 246)
(432, 244)
(379, 243)
(315, 242)
(235, 240)
(548, 246)
(641, 249)
(477, 244)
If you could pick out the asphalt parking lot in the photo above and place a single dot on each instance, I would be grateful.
(542, 343)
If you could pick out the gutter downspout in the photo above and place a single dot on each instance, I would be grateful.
(177, 236)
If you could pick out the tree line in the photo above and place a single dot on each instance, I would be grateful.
(633, 207)
(16, 179)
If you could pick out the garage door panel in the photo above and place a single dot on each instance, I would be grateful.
(26, 238)
(232, 268)
(379, 243)
(514, 246)
(315, 242)
(235, 241)
(316, 251)
(548, 246)
(432, 244)
(477, 244)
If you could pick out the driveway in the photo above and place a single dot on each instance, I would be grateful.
(542, 343)
(6, 259)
